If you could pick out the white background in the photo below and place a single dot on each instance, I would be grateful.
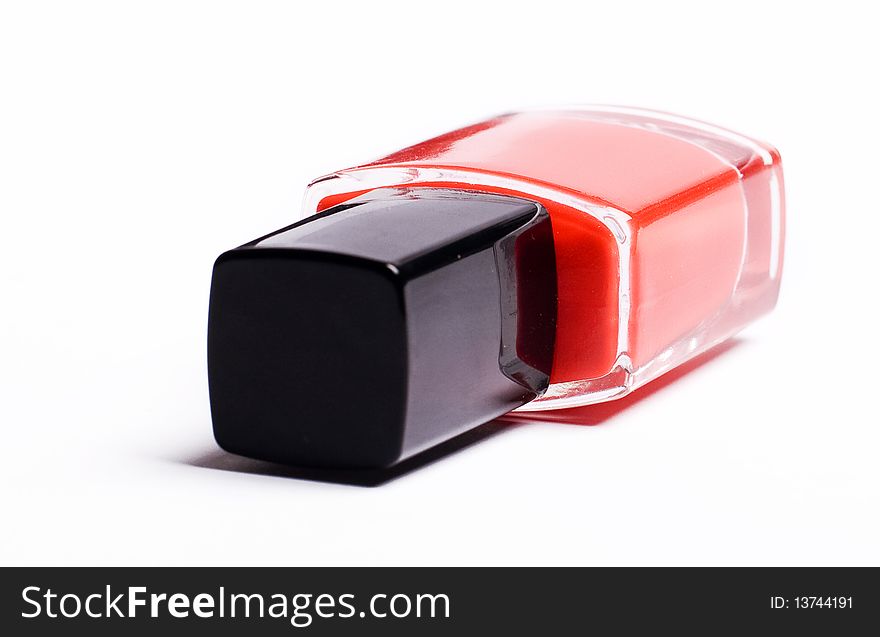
(139, 140)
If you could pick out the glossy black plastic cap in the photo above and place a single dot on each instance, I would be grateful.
(381, 327)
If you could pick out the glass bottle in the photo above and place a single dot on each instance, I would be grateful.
(537, 260)
(668, 231)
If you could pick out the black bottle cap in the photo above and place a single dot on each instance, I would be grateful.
(383, 326)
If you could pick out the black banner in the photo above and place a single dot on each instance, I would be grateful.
(432, 601)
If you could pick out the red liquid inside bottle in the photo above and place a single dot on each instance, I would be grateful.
(668, 232)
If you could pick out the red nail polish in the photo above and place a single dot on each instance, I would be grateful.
(538, 260)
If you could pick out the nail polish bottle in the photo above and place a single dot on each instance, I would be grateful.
(537, 260)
